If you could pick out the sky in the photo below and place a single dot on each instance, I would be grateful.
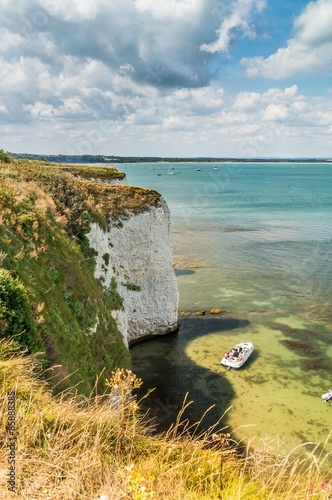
(176, 78)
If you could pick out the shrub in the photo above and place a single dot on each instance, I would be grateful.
(106, 258)
(130, 286)
(113, 296)
(4, 157)
(15, 313)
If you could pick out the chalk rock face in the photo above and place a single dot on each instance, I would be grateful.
(119, 182)
(137, 253)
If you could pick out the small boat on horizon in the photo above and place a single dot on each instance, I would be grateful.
(215, 168)
(198, 169)
(173, 172)
(237, 355)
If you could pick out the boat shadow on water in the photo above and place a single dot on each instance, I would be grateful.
(164, 365)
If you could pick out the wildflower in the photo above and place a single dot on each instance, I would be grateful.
(130, 467)
(325, 486)
(134, 406)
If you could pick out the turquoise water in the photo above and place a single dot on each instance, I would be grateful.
(254, 240)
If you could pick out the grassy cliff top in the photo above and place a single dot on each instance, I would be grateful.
(49, 297)
(94, 187)
(23, 167)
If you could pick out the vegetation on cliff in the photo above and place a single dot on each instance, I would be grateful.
(15, 313)
(5, 157)
(49, 298)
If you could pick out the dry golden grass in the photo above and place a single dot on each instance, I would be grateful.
(91, 186)
(87, 448)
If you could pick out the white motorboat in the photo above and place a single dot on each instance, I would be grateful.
(237, 355)
(327, 396)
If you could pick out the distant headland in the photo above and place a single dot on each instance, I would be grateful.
(62, 158)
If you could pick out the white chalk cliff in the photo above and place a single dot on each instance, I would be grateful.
(138, 254)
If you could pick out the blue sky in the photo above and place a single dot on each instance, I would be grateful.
(242, 78)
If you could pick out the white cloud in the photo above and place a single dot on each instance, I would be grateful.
(247, 101)
(9, 41)
(237, 20)
(159, 40)
(172, 9)
(69, 10)
(202, 101)
(3, 109)
(182, 122)
(314, 25)
(309, 52)
(296, 58)
(275, 113)
(40, 110)
(101, 57)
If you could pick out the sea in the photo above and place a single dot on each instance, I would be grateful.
(254, 240)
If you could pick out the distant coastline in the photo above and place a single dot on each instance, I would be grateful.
(83, 159)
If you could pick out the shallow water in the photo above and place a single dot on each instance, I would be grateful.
(254, 240)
